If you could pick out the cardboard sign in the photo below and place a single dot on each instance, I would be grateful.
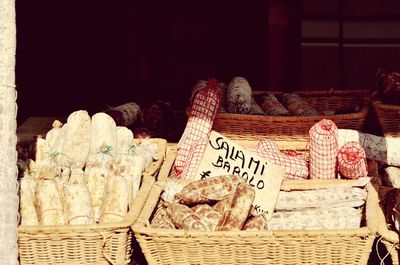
(223, 156)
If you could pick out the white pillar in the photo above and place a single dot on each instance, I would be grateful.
(8, 138)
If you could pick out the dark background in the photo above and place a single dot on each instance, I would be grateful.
(89, 54)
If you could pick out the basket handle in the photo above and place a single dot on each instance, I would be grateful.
(140, 199)
(168, 162)
(150, 204)
(372, 211)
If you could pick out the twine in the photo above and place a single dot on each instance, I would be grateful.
(106, 150)
(106, 237)
(382, 259)
(51, 209)
(111, 214)
(54, 154)
(131, 147)
(87, 216)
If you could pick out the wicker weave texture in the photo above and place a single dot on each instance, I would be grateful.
(254, 127)
(388, 118)
(88, 244)
(347, 246)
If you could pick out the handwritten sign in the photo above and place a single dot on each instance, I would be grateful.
(223, 156)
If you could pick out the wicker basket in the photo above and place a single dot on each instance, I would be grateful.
(345, 246)
(388, 117)
(88, 244)
(248, 127)
(389, 238)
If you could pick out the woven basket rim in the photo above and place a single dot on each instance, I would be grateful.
(318, 92)
(147, 181)
(380, 105)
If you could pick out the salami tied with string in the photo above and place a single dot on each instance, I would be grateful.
(235, 218)
(352, 162)
(295, 167)
(195, 136)
(323, 149)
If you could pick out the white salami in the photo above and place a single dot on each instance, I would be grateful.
(114, 206)
(27, 203)
(124, 139)
(103, 134)
(48, 202)
(77, 137)
(77, 204)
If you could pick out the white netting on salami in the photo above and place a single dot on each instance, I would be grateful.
(352, 162)
(194, 139)
(295, 167)
(323, 144)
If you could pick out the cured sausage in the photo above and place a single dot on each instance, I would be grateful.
(197, 131)
(236, 216)
(184, 218)
(208, 190)
(223, 205)
(208, 215)
(255, 223)
(162, 220)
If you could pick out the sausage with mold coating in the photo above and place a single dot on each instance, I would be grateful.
(208, 190)
(184, 218)
(208, 215)
(255, 223)
(236, 216)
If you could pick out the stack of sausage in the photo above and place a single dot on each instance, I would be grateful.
(222, 203)
(85, 171)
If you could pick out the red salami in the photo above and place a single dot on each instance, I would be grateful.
(195, 136)
(236, 216)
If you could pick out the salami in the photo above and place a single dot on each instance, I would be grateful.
(238, 96)
(255, 223)
(208, 190)
(208, 215)
(295, 168)
(162, 220)
(195, 136)
(236, 216)
(184, 218)
(223, 205)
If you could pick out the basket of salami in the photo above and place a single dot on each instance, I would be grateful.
(214, 220)
(346, 108)
(247, 114)
(84, 190)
